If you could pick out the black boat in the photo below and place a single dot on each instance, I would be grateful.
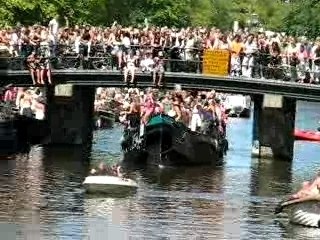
(104, 119)
(168, 142)
(19, 131)
(8, 137)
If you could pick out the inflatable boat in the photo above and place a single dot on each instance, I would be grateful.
(305, 212)
(109, 185)
(307, 135)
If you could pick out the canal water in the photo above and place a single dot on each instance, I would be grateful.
(41, 196)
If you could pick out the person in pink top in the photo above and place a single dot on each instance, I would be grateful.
(308, 188)
(149, 107)
(9, 95)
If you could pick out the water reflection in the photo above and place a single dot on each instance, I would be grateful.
(290, 231)
(106, 216)
(270, 178)
(46, 190)
(269, 181)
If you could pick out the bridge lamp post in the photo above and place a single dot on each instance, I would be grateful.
(253, 21)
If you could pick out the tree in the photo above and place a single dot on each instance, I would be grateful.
(201, 12)
(294, 16)
(303, 18)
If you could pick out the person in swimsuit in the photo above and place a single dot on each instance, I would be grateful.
(103, 170)
(134, 113)
(308, 188)
(149, 107)
(25, 105)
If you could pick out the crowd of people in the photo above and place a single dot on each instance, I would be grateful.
(29, 102)
(194, 109)
(160, 49)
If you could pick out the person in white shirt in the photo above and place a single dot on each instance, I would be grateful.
(147, 63)
(126, 44)
(54, 30)
(54, 26)
(248, 61)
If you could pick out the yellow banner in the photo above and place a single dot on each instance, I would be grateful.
(216, 62)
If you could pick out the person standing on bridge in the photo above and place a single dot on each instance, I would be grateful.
(53, 31)
(44, 61)
(250, 50)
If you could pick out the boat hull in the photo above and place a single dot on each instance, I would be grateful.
(133, 148)
(104, 119)
(135, 157)
(109, 185)
(169, 146)
(305, 214)
(168, 142)
(8, 137)
(307, 135)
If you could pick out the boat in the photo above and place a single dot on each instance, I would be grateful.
(8, 137)
(304, 135)
(238, 106)
(109, 185)
(304, 211)
(8, 132)
(167, 142)
(104, 119)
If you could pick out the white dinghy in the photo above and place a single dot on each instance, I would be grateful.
(305, 211)
(109, 185)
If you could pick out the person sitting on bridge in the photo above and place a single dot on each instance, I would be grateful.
(158, 70)
(33, 67)
(130, 67)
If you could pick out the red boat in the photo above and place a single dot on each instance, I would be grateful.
(307, 135)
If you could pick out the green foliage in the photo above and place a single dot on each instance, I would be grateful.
(304, 19)
(295, 17)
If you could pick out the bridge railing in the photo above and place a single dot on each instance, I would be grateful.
(175, 59)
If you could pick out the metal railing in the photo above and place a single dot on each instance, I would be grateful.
(175, 59)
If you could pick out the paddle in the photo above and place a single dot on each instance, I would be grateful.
(282, 205)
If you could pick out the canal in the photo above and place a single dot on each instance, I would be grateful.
(41, 195)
